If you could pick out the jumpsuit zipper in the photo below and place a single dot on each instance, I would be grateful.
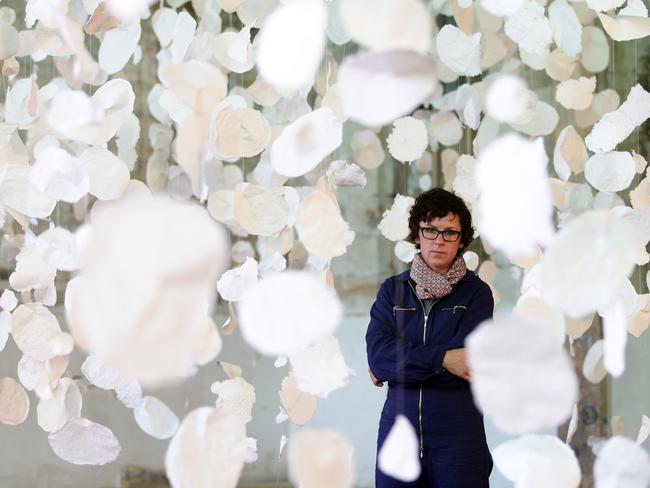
(424, 341)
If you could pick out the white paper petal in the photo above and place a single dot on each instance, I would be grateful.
(644, 430)
(460, 52)
(576, 94)
(156, 418)
(610, 171)
(408, 139)
(37, 333)
(399, 455)
(234, 283)
(118, 46)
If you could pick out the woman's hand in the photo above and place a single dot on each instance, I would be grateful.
(374, 379)
(456, 363)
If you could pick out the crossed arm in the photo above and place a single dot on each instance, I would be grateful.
(392, 358)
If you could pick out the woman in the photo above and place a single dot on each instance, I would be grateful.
(415, 338)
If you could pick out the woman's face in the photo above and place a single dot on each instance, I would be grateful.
(438, 253)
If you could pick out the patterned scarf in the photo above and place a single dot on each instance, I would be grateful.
(430, 284)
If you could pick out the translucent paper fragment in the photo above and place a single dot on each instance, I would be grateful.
(300, 406)
(14, 402)
(272, 313)
(260, 210)
(543, 391)
(84, 442)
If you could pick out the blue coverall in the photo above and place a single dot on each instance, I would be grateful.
(406, 347)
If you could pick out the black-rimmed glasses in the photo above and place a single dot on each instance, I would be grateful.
(447, 235)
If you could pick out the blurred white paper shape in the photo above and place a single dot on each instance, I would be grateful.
(596, 239)
(625, 27)
(399, 455)
(208, 449)
(543, 391)
(272, 313)
(513, 169)
(159, 259)
(385, 25)
(321, 458)
(536, 461)
(291, 44)
(508, 100)
(567, 30)
(305, 142)
(64, 405)
(377, 88)
(621, 462)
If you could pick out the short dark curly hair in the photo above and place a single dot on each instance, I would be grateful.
(438, 202)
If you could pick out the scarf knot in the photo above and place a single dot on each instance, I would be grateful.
(430, 284)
